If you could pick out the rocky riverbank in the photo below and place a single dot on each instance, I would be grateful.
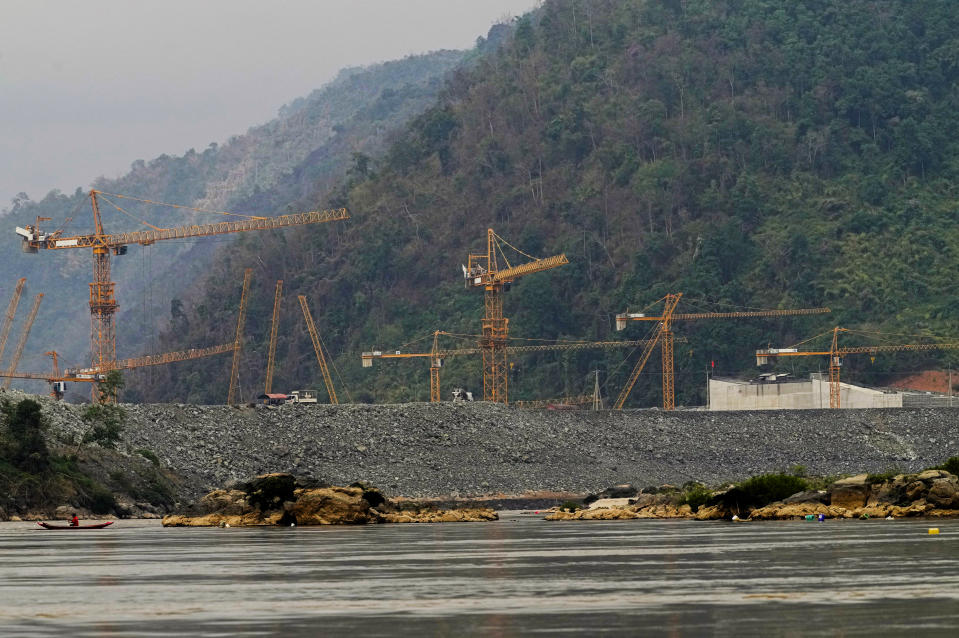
(457, 450)
(933, 493)
(280, 500)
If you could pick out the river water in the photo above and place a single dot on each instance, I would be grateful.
(517, 576)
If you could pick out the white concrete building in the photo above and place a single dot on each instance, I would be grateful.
(779, 392)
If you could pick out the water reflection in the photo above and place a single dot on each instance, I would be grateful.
(514, 577)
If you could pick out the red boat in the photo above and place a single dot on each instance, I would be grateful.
(90, 526)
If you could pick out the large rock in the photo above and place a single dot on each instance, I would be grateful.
(809, 496)
(850, 493)
(274, 499)
(782, 511)
(914, 491)
(943, 493)
(333, 506)
(662, 510)
(625, 490)
(931, 475)
(466, 515)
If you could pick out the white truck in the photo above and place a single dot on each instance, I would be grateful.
(303, 396)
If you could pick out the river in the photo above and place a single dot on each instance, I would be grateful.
(517, 576)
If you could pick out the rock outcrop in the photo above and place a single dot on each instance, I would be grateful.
(932, 493)
(277, 499)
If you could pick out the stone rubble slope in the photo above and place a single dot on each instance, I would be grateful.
(459, 449)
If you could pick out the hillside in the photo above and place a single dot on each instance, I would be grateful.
(748, 154)
(755, 156)
(351, 114)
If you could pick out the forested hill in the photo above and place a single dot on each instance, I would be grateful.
(353, 113)
(749, 154)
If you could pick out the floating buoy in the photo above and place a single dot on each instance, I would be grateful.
(933, 530)
(809, 517)
(822, 517)
(735, 517)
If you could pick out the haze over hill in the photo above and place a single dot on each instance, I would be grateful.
(87, 88)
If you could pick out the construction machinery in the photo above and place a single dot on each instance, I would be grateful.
(836, 354)
(238, 339)
(663, 333)
(318, 348)
(103, 303)
(24, 335)
(271, 354)
(11, 313)
(483, 271)
(437, 355)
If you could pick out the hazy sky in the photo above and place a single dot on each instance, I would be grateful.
(87, 87)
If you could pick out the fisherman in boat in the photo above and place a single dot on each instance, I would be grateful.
(75, 521)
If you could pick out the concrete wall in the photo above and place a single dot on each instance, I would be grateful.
(812, 394)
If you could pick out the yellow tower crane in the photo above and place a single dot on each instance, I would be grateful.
(273, 327)
(318, 348)
(92, 375)
(664, 333)
(11, 313)
(238, 339)
(483, 270)
(103, 304)
(836, 354)
(24, 334)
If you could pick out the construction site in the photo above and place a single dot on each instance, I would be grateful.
(489, 271)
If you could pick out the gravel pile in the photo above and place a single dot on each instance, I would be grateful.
(468, 449)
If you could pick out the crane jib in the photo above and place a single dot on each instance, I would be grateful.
(146, 237)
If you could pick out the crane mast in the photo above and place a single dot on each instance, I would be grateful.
(671, 301)
(483, 271)
(238, 340)
(273, 326)
(11, 313)
(318, 348)
(24, 334)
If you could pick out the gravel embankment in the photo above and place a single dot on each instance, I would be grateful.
(421, 450)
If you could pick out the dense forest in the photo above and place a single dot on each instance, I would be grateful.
(750, 154)
(305, 149)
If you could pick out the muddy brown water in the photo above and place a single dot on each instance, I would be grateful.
(514, 577)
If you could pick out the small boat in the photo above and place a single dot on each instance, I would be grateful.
(90, 526)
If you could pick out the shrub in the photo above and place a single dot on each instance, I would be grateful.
(107, 424)
(570, 506)
(100, 500)
(25, 425)
(695, 495)
(149, 455)
(882, 477)
(951, 465)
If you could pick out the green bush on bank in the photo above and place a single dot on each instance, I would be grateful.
(951, 465)
(762, 490)
(695, 495)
